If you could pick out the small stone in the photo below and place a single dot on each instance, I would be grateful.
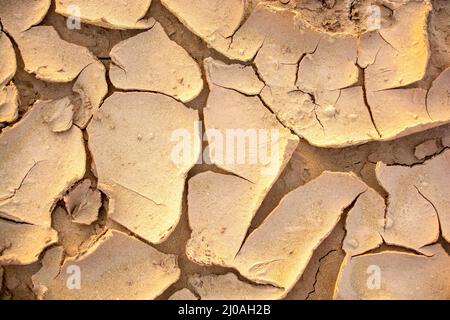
(330, 111)
(353, 243)
(388, 223)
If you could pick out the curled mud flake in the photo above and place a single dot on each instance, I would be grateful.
(426, 149)
(207, 17)
(8, 63)
(49, 57)
(365, 223)
(174, 72)
(259, 146)
(395, 276)
(438, 98)
(331, 67)
(32, 89)
(220, 209)
(91, 87)
(113, 14)
(183, 294)
(32, 156)
(278, 251)
(258, 149)
(98, 40)
(318, 280)
(59, 115)
(409, 115)
(18, 16)
(214, 21)
(74, 237)
(116, 267)
(9, 103)
(418, 201)
(234, 76)
(144, 178)
(83, 203)
(399, 54)
(21, 244)
(229, 287)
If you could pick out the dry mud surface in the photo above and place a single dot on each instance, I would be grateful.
(114, 183)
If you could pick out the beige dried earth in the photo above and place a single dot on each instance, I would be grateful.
(114, 180)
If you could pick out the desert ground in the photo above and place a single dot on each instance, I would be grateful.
(224, 149)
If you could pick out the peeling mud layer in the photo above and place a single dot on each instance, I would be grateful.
(210, 149)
